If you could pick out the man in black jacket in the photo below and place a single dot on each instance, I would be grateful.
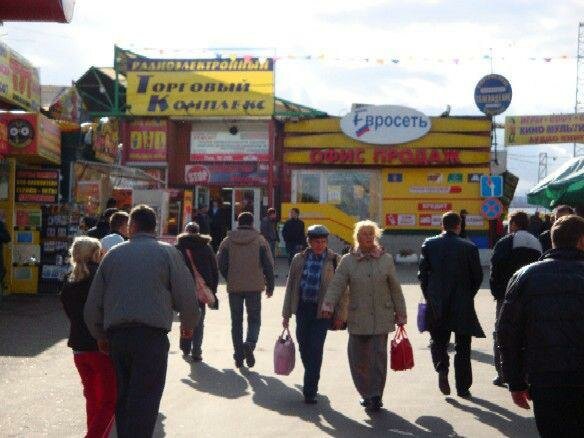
(545, 238)
(541, 333)
(293, 234)
(450, 276)
(102, 228)
(512, 252)
(198, 246)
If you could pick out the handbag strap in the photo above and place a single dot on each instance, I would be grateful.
(285, 334)
(198, 276)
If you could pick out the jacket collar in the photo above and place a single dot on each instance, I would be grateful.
(564, 254)
(139, 236)
(378, 252)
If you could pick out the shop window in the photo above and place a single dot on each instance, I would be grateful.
(308, 188)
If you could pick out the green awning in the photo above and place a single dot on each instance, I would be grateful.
(565, 186)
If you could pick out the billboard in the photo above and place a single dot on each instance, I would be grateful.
(38, 186)
(106, 140)
(19, 80)
(561, 128)
(200, 87)
(148, 141)
(241, 141)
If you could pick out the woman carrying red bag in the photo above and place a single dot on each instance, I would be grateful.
(376, 305)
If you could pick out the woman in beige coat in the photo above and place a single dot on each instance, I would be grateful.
(376, 305)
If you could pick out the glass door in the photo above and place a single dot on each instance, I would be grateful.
(202, 197)
(246, 199)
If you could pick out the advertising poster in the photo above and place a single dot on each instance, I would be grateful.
(19, 80)
(106, 140)
(37, 186)
(230, 142)
(200, 87)
(147, 141)
(49, 139)
(526, 130)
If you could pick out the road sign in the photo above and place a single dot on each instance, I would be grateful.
(493, 94)
(491, 186)
(491, 208)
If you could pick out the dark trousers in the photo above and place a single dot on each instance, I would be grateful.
(496, 349)
(253, 306)
(559, 411)
(140, 356)
(462, 366)
(292, 249)
(311, 334)
(198, 333)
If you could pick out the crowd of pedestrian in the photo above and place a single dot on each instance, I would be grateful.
(125, 286)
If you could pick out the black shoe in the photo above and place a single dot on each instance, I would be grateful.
(310, 400)
(197, 358)
(464, 394)
(238, 363)
(365, 402)
(498, 381)
(376, 404)
(443, 384)
(248, 354)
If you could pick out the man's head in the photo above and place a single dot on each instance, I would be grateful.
(317, 237)
(119, 223)
(451, 221)
(192, 228)
(142, 220)
(294, 213)
(463, 213)
(272, 213)
(107, 214)
(563, 210)
(568, 232)
(245, 219)
(518, 220)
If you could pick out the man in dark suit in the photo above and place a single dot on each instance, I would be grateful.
(450, 275)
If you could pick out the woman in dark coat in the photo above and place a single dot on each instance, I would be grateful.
(199, 247)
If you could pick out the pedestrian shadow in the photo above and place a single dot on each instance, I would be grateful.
(159, 428)
(481, 357)
(505, 421)
(272, 394)
(226, 383)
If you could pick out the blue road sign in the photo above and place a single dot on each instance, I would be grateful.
(493, 94)
(491, 186)
(491, 208)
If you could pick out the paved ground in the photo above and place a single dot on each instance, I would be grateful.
(41, 392)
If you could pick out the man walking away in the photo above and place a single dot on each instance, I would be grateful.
(450, 276)
(270, 232)
(545, 238)
(130, 310)
(119, 231)
(512, 252)
(293, 234)
(541, 333)
(246, 264)
(102, 228)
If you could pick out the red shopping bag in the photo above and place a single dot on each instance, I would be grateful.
(402, 354)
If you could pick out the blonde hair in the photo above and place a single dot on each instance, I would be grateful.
(83, 251)
(366, 224)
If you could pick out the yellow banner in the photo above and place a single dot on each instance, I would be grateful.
(562, 128)
(19, 80)
(385, 156)
(200, 87)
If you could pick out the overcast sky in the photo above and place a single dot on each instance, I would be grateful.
(423, 54)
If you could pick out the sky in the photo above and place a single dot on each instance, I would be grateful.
(424, 54)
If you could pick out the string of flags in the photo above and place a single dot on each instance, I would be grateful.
(262, 54)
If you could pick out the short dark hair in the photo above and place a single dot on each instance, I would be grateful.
(111, 203)
(118, 220)
(451, 220)
(296, 210)
(271, 211)
(144, 218)
(245, 219)
(564, 210)
(108, 213)
(520, 219)
(567, 231)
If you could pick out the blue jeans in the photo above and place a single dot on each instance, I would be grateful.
(140, 356)
(311, 334)
(253, 305)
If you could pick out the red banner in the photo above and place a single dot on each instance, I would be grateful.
(147, 141)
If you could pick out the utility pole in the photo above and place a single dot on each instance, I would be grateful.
(543, 166)
(579, 108)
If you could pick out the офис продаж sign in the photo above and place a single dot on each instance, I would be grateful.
(37, 186)
(200, 87)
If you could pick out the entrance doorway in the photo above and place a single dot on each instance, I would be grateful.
(246, 199)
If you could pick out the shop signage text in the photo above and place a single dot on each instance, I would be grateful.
(404, 156)
(434, 206)
(19, 80)
(385, 124)
(493, 94)
(37, 186)
(238, 174)
(147, 141)
(525, 130)
(201, 87)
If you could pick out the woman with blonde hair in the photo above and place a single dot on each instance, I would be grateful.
(94, 367)
(376, 305)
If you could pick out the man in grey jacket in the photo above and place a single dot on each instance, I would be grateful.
(129, 311)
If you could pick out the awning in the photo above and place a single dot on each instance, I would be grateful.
(565, 186)
(119, 171)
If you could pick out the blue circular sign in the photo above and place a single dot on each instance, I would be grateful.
(491, 208)
(493, 94)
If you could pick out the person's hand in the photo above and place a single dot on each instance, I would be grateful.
(400, 320)
(338, 324)
(325, 314)
(103, 346)
(285, 322)
(520, 398)
(269, 293)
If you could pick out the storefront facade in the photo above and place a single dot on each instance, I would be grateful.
(405, 188)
